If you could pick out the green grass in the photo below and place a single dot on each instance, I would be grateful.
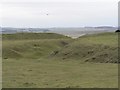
(31, 48)
(102, 48)
(86, 62)
(42, 73)
(32, 36)
(110, 39)
(32, 45)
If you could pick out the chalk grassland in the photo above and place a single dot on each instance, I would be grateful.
(52, 60)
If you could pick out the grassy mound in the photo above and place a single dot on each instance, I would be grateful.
(32, 36)
(34, 45)
(92, 48)
(102, 48)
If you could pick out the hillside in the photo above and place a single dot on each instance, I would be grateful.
(32, 36)
(102, 48)
(31, 45)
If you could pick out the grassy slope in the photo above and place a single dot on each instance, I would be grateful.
(32, 36)
(31, 45)
(30, 63)
(94, 48)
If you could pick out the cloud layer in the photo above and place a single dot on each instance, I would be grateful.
(58, 13)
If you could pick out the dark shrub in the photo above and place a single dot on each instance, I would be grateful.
(117, 31)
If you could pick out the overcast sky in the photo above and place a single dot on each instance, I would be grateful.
(58, 13)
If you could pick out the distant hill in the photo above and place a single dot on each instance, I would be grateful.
(105, 27)
(32, 36)
(9, 30)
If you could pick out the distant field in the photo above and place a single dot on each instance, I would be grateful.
(53, 60)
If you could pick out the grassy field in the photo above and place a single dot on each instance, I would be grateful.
(53, 60)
